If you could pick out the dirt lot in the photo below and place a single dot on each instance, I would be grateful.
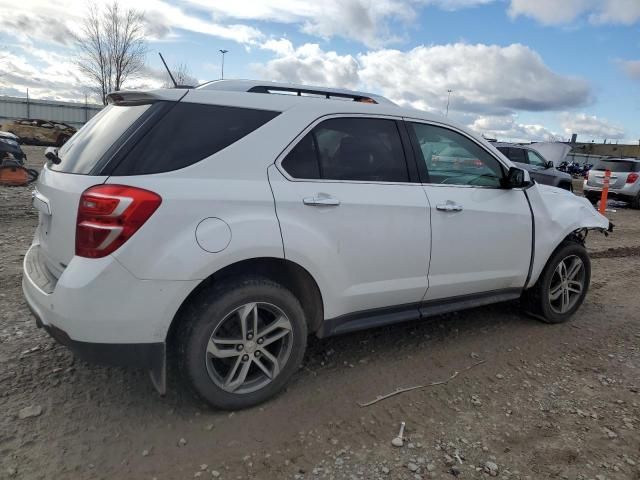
(548, 402)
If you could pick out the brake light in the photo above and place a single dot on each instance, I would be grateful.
(632, 177)
(108, 215)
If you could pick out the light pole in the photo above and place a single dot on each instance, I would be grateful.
(222, 51)
(448, 98)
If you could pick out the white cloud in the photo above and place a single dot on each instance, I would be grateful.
(367, 21)
(556, 12)
(50, 75)
(507, 128)
(631, 68)
(311, 65)
(282, 47)
(489, 83)
(590, 126)
(41, 20)
(486, 79)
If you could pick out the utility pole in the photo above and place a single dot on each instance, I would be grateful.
(222, 51)
(448, 99)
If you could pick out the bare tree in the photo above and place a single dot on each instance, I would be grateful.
(182, 74)
(112, 47)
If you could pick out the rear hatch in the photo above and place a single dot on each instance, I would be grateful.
(57, 193)
(620, 170)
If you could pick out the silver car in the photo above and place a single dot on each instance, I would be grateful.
(540, 169)
(624, 183)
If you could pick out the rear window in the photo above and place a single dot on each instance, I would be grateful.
(86, 148)
(188, 133)
(617, 166)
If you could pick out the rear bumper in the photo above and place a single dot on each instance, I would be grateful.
(103, 313)
(626, 193)
(150, 356)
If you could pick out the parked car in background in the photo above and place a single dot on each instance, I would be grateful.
(10, 147)
(624, 183)
(40, 132)
(541, 169)
(283, 211)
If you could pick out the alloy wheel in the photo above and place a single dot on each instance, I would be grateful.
(249, 348)
(567, 284)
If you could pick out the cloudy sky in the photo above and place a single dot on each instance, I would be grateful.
(518, 69)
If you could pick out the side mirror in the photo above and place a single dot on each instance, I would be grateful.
(549, 164)
(516, 178)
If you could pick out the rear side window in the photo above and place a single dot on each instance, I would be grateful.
(358, 149)
(85, 149)
(188, 133)
(514, 154)
(617, 166)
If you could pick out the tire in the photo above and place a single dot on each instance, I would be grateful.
(219, 310)
(538, 299)
(635, 202)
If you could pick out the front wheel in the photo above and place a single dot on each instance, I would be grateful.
(242, 341)
(562, 286)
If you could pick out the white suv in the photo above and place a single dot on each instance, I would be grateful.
(230, 221)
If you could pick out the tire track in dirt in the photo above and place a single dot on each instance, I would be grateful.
(616, 252)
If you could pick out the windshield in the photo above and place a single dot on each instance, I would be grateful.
(85, 149)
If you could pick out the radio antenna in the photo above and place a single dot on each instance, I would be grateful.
(175, 84)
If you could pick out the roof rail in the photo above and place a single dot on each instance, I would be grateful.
(356, 97)
(256, 86)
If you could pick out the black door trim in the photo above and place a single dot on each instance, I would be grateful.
(379, 317)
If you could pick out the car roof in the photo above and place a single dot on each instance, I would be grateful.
(619, 159)
(238, 95)
(511, 145)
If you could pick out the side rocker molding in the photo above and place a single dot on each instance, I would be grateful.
(413, 311)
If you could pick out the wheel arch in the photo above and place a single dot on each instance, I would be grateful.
(285, 272)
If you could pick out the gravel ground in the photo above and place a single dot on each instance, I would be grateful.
(557, 401)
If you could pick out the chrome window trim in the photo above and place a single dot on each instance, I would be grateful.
(317, 121)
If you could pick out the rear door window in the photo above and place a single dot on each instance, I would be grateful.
(188, 133)
(514, 154)
(617, 166)
(356, 149)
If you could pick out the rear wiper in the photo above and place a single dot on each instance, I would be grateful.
(51, 153)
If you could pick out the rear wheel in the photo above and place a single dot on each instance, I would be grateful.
(242, 342)
(635, 202)
(562, 286)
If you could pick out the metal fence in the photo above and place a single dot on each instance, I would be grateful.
(76, 114)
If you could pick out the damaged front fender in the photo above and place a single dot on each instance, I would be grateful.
(558, 214)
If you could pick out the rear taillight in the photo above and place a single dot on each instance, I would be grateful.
(108, 215)
(632, 177)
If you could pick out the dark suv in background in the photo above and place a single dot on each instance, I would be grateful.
(541, 169)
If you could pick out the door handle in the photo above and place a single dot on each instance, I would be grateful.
(449, 206)
(321, 201)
